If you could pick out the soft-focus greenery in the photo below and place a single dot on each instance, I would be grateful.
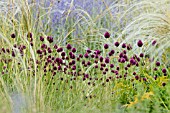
(145, 20)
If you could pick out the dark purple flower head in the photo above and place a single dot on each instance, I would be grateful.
(80, 55)
(154, 42)
(138, 59)
(163, 84)
(74, 67)
(137, 77)
(13, 53)
(59, 68)
(96, 66)
(49, 51)
(110, 54)
(29, 35)
(121, 55)
(111, 65)
(106, 46)
(128, 65)
(113, 71)
(117, 68)
(86, 55)
(88, 63)
(55, 46)
(116, 72)
(72, 56)
(42, 38)
(83, 62)
(50, 39)
(106, 69)
(132, 61)
(54, 68)
(129, 47)
(164, 70)
(144, 79)
(101, 59)
(158, 64)
(24, 47)
(103, 65)
(123, 45)
(60, 49)
(124, 51)
(92, 56)
(141, 55)
(123, 60)
(43, 46)
(107, 80)
(68, 46)
(137, 64)
(70, 63)
(3, 49)
(15, 45)
(107, 60)
(116, 44)
(96, 56)
(63, 54)
(86, 75)
(134, 73)
(31, 43)
(7, 50)
(97, 52)
(126, 68)
(140, 43)
(74, 50)
(107, 35)
(88, 51)
(119, 60)
(104, 72)
(112, 51)
(13, 35)
(101, 68)
(39, 52)
(96, 61)
(155, 69)
(70, 53)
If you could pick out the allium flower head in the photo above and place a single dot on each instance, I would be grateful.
(107, 60)
(86, 55)
(163, 84)
(50, 39)
(141, 55)
(42, 38)
(88, 51)
(106, 46)
(97, 52)
(123, 45)
(164, 70)
(154, 42)
(116, 44)
(140, 43)
(68, 46)
(12, 35)
(158, 64)
(129, 47)
(107, 35)
(132, 61)
(74, 50)
(111, 65)
(112, 51)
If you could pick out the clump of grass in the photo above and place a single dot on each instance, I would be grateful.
(68, 74)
